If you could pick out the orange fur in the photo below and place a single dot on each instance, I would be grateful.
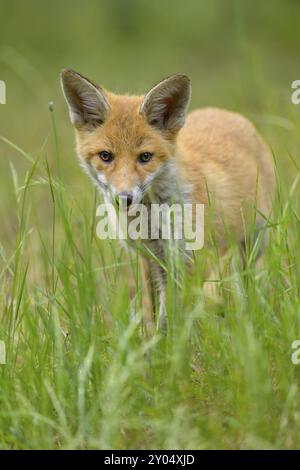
(220, 151)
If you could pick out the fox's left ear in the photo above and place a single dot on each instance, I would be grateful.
(164, 106)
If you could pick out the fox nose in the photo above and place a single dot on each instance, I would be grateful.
(124, 200)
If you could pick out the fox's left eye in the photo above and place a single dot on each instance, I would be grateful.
(145, 157)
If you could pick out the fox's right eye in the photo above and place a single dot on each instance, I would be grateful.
(106, 156)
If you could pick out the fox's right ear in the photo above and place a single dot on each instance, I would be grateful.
(87, 103)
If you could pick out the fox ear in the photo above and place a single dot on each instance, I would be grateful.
(164, 106)
(87, 103)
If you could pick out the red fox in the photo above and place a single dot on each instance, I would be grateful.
(131, 145)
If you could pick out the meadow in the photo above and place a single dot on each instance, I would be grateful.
(80, 372)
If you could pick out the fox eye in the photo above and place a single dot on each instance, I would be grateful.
(145, 157)
(106, 156)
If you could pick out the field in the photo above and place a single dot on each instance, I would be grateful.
(80, 373)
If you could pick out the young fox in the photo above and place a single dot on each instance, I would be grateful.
(131, 145)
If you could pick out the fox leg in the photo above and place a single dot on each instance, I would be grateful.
(158, 280)
(211, 286)
(162, 313)
(147, 295)
(258, 258)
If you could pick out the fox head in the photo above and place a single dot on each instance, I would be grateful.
(126, 143)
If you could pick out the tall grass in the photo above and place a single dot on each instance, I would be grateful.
(81, 373)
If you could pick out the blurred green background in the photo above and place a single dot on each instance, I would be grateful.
(223, 378)
(241, 55)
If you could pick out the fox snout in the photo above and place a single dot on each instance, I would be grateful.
(124, 200)
(125, 187)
